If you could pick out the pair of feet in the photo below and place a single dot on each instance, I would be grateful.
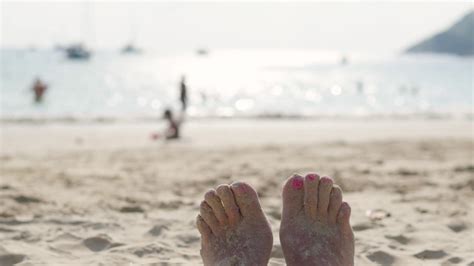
(315, 228)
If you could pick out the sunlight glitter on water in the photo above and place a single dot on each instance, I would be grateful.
(236, 83)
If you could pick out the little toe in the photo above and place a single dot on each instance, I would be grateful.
(324, 191)
(215, 202)
(311, 183)
(247, 199)
(203, 228)
(335, 202)
(230, 207)
(293, 196)
(343, 218)
(208, 215)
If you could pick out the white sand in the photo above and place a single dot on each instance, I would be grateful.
(85, 194)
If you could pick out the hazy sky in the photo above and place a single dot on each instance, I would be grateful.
(346, 26)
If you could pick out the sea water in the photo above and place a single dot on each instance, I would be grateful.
(235, 83)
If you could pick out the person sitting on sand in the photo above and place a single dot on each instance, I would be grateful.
(315, 228)
(39, 88)
(172, 132)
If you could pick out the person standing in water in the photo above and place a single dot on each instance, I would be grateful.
(183, 93)
(39, 88)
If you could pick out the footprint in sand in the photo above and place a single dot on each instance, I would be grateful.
(364, 226)
(8, 259)
(147, 250)
(381, 258)
(431, 254)
(131, 209)
(457, 226)
(157, 229)
(144, 250)
(99, 243)
(160, 227)
(26, 199)
(399, 238)
(454, 260)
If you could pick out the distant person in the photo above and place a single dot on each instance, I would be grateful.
(172, 132)
(173, 128)
(183, 93)
(360, 87)
(203, 97)
(39, 88)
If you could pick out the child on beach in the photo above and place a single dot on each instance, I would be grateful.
(172, 132)
(173, 129)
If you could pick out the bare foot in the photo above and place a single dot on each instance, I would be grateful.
(315, 227)
(234, 230)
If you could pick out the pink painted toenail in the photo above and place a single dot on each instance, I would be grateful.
(311, 177)
(297, 183)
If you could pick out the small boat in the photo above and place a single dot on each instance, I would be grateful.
(202, 52)
(77, 51)
(131, 49)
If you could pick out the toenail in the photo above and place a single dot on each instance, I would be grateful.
(312, 177)
(297, 183)
(326, 180)
(239, 187)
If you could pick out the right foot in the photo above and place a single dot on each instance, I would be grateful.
(233, 227)
(315, 228)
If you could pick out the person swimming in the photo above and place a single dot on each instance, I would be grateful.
(315, 227)
(39, 88)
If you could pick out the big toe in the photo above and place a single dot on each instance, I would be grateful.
(293, 196)
(247, 200)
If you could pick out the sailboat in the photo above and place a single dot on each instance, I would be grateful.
(202, 51)
(130, 48)
(78, 51)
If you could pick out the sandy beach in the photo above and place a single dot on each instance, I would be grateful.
(106, 194)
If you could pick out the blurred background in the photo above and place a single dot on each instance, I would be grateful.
(124, 60)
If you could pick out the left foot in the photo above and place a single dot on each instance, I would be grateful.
(233, 227)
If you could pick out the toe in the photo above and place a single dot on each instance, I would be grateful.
(335, 202)
(293, 196)
(311, 183)
(247, 199)
(203, 228)
(343, 218)
(324, 191)
(230, 207)
(208, 215)
(215, 202)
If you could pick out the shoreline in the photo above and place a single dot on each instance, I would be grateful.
(144, 119)
(218, 133)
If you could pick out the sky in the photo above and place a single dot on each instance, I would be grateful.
(383, 26)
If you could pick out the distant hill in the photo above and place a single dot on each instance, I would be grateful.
(458, 39)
